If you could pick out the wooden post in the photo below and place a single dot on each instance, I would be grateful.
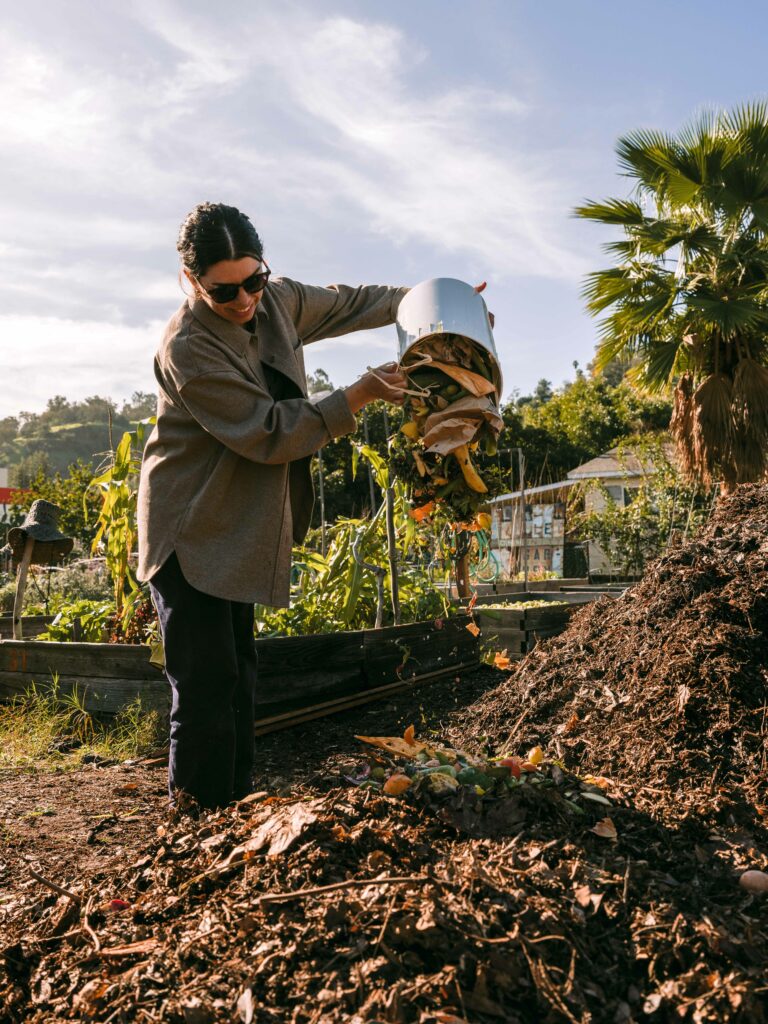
(462, 575)
(21, 586)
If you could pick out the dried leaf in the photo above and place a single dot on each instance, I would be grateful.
(469, 380)
(500, 660)
(131, 949)
(446, 429)
(277, 832)
(394, 745)
(245, 1006)
(422, 512)
(410, 735)
(605, 828)
(569, 726)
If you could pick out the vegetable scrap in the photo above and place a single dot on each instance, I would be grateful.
(451, 412)
(486, 795)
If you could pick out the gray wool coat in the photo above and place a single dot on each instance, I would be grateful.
(225, 480)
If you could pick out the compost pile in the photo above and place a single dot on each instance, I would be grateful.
(666, 688)
(361, 891)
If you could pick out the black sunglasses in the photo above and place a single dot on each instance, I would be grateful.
(224, 293)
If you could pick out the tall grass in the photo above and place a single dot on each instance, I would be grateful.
(34, 725)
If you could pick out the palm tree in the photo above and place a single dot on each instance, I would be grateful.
(687, 300)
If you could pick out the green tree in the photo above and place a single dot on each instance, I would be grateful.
(688, 295)
(584, 418)
(663, 510)
(141, 405)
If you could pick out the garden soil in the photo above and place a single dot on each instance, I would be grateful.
(322, 900)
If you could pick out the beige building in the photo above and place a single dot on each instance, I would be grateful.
(533, 526)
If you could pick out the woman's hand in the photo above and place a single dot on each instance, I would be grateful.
(385, 382)
(481, 288)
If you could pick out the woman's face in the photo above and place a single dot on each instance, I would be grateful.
(243, 306)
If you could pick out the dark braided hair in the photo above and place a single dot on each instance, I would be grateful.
(214, 232)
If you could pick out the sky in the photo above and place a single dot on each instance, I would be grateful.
(369, 143)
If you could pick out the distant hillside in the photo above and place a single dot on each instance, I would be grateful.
(65, 432)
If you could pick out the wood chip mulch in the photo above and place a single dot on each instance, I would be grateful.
(320, 901)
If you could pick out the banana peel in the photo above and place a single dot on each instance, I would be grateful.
(469, 472)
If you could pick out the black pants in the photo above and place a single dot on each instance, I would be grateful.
(210, 661)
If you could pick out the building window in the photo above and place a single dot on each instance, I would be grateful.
(616, 493)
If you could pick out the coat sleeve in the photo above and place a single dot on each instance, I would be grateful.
(339, 309)
(244, 417)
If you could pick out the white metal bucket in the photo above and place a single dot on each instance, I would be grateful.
(445, 305)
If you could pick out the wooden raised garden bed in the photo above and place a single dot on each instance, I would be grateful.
(299, 677)
(517, 630)
(30, 624)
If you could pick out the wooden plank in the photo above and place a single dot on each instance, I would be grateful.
(294, 672)
(31, 624)
(123, 661)
(510, 632)
(547, 619)
(102, 695)
(543, 634)
(400, 652)
(287, 721)
(500, 619)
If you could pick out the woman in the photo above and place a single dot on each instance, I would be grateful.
(226, 487)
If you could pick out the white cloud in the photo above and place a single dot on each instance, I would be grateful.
(320, 126)
(52, 356)
(440, 169)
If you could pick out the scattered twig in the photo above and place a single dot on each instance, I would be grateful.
(52, 885)
(383, 928)
(87, 927)
(196, 938)
(282, 897)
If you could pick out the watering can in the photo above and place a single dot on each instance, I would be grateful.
(445, 305)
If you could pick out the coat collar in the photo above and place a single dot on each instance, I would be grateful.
(279, 353)
(234, 335)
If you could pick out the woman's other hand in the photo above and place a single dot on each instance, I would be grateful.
(386, 382)
(481, 288)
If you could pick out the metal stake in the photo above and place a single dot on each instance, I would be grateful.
(524, 538)
(392, 551)
(370, 471)
(322, 499)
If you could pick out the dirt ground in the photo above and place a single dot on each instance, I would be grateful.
(607, 888)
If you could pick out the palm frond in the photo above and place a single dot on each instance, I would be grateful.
(728, 317)
(659, 365)
(612, 211)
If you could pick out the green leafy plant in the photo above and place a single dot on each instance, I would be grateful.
(335, 591)
(84, 620)
(47, 725)
(687, 300)
(116, 526)
(662, 509)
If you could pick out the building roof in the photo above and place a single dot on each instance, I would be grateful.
(562, 485)
(612, 464)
